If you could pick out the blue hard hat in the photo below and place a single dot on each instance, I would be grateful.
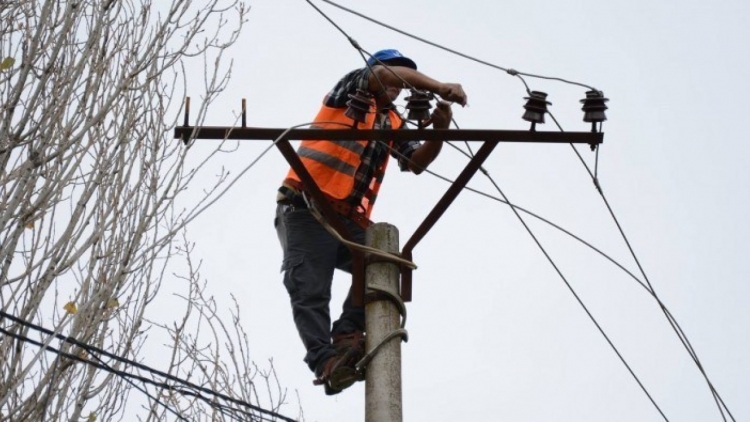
(391, 57)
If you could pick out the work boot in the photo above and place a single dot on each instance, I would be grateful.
(337, 373)
(352, 345)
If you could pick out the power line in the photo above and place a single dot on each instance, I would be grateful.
(197, 390)
(515, 209)
(122, 374)
(594, 176)
(578, 299)
(126, 376)
(362, 53)
(529, 212)
(670, 318)
(580, 302)
(509, 71)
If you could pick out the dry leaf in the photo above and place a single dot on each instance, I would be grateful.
(113, 303)
(30, 224)
(71, 307)
(7, 63)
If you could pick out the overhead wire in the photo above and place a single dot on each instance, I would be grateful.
(594, 175)
(510, 71)
(578, 299)
(190, 388)
(670, 318)
(122, 374)
(583, 305)
(526, 211)
(528, 229)
(359, 49)
(362, 52)
(145, 391)
(647, 285)
(222, 408)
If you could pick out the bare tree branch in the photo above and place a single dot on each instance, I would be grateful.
(89, 94)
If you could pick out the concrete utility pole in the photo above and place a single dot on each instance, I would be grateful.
(383, 379)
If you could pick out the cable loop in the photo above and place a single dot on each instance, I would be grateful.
(400, 332)
(389, 256)
(449, 50)
(362, 364)
(395, 299)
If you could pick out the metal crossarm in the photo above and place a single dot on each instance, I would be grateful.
(490, 138)
(256, 133)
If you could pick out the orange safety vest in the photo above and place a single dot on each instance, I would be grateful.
(334, 164)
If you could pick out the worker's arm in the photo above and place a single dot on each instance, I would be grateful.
(393, 75)
(429, 150)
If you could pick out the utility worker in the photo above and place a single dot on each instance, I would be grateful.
(349, 173)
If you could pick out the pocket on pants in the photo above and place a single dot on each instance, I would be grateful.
(290, 265)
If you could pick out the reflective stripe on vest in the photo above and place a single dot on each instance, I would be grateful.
(333, 165)
(324, 157)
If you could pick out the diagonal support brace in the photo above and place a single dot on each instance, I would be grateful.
(437, 212)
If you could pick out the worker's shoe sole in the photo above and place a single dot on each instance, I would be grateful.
(341, 379)
(339, 372)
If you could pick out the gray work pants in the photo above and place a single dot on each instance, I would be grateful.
(310, 256)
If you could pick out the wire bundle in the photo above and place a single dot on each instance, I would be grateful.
(227, 405)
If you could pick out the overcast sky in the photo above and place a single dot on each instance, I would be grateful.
(495, 334)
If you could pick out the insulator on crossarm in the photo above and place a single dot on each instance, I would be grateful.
(536, 108)
(594, 107)
(418, 105)
(358, 106)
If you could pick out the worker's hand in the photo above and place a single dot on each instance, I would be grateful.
(442, 115)
(453, 92)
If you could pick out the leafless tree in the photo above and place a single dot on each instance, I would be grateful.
(89, 226)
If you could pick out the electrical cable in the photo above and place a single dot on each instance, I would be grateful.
(531, 214)
(601, 330)
(385, 255)
(362, 53)
(511, 72)
(514, 72)
(197, 390)
(670, 318)
(145, 391)
(580, 302)
(121, 374)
